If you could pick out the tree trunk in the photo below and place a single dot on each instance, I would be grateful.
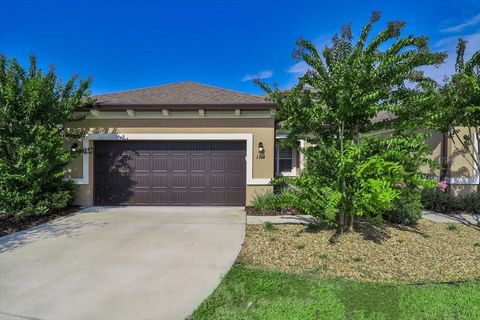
(350, 223)
(341, 224)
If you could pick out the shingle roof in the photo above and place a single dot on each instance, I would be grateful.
(383, 115)
(181, 95)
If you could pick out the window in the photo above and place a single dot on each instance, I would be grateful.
(285, 160)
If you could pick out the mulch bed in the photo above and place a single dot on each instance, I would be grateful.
(251, 211)
(429, 252)
(8, 225)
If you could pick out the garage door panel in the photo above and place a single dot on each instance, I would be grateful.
(180, 164)
(198, 163)
(143, 197)
(159, 180)
(199, 180)
(159, 164)
(219, 164)
(235, 163)
(143, 180)
(235, 196)
(142, 163)
(197, 197)
(180, 197)
(160, 197)
(169, 173)
(236, 181)
(180, 180)
(219, 197)
(218, 180)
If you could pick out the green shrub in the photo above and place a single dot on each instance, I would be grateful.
(34, 108)
(436, 200)
(452, 227)
(269, 201)
(269, 226)
(471, 202)
(407, 209)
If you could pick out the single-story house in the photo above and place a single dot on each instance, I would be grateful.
(182, 144)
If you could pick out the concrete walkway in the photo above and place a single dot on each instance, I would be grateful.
(283, 219)
(119, 263)
(468, 219)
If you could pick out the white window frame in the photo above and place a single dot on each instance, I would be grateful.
(290, 173)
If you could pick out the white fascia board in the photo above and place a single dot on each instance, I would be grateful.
(193, 114)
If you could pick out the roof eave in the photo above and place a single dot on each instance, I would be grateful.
(186, 107)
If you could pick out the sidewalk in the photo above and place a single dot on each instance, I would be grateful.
(300, 219)
(468, 219)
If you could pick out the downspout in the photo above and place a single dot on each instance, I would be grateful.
(444, 157)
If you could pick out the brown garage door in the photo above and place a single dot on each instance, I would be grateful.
(169, 173)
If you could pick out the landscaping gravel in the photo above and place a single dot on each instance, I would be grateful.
(430, 252)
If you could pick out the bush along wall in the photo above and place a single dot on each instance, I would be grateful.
(446, 202)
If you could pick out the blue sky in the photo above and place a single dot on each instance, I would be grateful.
(132, 44)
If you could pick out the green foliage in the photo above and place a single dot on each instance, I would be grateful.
(407, 209)
(457, 104)
(270, 201)
(351, 170)
(452, 227)
(248, 293)
(34, 108)
(372, 169)
(470, 202)
(439, 201)
(436, 200)
(269, 226)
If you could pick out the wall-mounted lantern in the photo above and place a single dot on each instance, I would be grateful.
(261, 151)
(74, 147)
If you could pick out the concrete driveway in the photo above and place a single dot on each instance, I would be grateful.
(119, 263)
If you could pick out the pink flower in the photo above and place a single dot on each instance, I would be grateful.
(400, 185)
(442, 185)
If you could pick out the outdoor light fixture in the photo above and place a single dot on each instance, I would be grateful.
(260, 147)
(74, 147)
(261, 151)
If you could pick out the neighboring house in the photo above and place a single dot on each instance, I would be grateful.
(182, 144)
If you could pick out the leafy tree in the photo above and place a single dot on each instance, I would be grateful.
(34, 108)
(349, 171)
(458, 105)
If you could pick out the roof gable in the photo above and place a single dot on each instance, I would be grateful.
(181, 94)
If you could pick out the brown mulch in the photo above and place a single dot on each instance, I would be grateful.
(430, 252)
(251, 211)
(9, 225)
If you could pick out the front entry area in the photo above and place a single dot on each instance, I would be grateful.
(170, 173)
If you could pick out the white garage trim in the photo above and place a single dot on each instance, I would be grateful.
(248, 137)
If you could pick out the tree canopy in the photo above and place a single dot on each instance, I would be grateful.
(334, 107)
(34, 110)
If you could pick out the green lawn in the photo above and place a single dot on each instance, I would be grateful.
(247, 293)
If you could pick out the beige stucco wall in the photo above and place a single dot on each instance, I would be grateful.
(435, 142)
(461, 165)
(261, 129)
